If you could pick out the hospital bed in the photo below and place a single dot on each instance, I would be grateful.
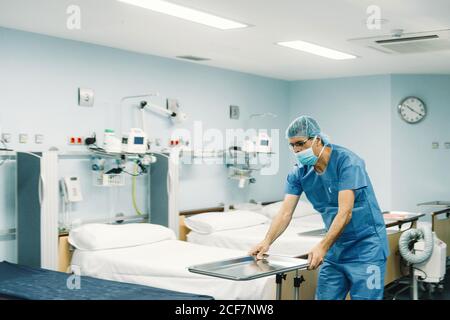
(296, 241)
(19, 282)
(289, 244)
(163, 262)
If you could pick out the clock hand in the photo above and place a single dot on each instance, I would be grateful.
(420, 114)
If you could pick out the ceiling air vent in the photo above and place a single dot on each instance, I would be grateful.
(404, 43)
(193, 58)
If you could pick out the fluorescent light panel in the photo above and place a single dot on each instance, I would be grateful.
(185, 13)
(317, 50)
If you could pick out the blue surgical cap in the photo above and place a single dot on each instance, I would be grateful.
(306, 126)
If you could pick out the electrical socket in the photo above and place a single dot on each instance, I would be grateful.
(74, 141)
(6, 137)
(234, 112)
(23, 138)
(39, 138)
(85, 97)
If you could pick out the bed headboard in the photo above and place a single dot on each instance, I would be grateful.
(183, 214)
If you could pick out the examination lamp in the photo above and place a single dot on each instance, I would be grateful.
(176, 117)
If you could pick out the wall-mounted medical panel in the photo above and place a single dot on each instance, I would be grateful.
(164, 188)
(37, 209)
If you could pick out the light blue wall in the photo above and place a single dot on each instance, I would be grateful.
(361, 114)
(39, 79)
(355, 113)
(420, 173)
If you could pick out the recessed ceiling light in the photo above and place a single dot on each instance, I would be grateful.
(317, 50)
(185, 13)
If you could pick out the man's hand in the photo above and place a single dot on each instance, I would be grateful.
(260, 249)
(316, 256)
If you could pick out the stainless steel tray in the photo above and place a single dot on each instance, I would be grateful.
(247, 268)
(313, 233)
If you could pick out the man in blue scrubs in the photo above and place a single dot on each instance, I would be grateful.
(353, 253)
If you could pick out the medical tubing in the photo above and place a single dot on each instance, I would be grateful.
(133, 190)
(403, 262)
(414, 235)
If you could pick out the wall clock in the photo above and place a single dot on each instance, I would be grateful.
(412, 110)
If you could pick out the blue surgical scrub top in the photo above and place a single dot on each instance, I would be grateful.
(364, 239)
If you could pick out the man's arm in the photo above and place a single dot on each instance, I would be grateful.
(278, 225)
(346, 201)
(282, 219)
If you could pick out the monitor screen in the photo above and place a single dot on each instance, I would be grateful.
(139, 140)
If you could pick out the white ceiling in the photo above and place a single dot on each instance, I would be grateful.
(325, 22)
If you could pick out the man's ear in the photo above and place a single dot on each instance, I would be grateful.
(319, 141)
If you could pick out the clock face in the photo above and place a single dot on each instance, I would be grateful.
(412, 110)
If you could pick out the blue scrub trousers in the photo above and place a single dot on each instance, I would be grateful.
(364, 280)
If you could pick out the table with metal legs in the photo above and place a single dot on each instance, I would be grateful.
(248, 268)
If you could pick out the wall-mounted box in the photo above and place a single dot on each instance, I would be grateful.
(85, 97)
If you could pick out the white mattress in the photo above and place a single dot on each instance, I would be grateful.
(289, 243)
(164, 265)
